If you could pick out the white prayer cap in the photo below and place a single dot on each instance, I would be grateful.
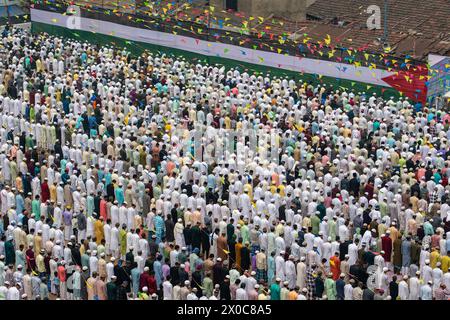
(342, 275)
(112, 259)
(385, 269)
(145, 289)
(146, 269)
(278, 280)
(187, 282)
(219, 259)
(427, 261)
(253, 273)
(84, 268)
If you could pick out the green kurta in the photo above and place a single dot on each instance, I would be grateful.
(245, 234)
(315, 224)
(123, 241)
(13, 170)
(85, 260)
(29, 143)
(332, 229)
(36, 209)
(330, 289)
(207, 287)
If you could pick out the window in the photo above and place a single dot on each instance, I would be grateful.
(231, 5)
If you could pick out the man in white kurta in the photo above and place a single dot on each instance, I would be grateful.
(280, 267)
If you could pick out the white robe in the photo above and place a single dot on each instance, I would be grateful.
(93, 264)
(109, 271)
(178, 233)
(353, 254)
(13, 294)
(280, 268)
(167, 290)
(403, 290)
(301, 273)
(348, 292)
(114, 244)
(291, 274)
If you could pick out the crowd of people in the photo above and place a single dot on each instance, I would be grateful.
(154, 177)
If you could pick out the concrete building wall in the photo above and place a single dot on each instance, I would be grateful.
(247, 6)
(291, 9)
(217, 3)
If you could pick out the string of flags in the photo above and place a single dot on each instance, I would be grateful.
(174, 12)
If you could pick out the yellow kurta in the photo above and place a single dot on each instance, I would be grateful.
(37, 244)
(445, 263)
(52, 190)
(434, 258)
(98, 230)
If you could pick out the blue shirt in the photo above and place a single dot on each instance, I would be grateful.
(157, 267)
(135, 276)
(20, 204)
(119, 195)
(426, 293)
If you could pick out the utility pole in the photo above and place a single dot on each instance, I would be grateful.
(385, 35)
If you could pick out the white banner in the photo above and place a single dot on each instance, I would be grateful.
(269, 59)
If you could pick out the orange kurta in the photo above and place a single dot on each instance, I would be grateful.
(335, 267)
(222, 247)
(237, 248)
